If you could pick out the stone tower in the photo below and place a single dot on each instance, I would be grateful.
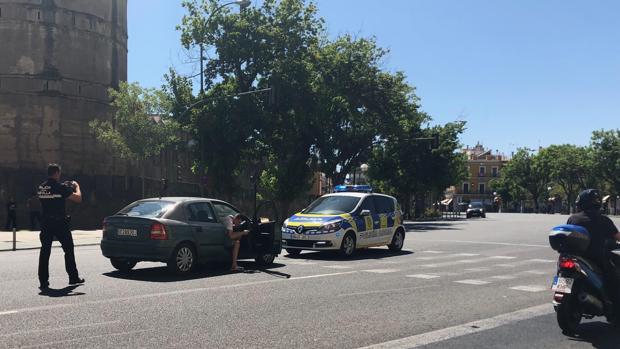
(57, 60)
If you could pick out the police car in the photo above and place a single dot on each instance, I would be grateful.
(352, 217)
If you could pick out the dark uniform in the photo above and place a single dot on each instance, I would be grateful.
(11, 215)
(602, 240)
(55, 224)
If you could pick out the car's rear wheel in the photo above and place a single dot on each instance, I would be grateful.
(123, 265)
(398, 240)
(347, 247)
(183, 259)
(293, 252)
(265, 259)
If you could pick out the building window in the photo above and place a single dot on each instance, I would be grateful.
(482, 171)
(481, 188)
(494, 171)
(465, 188)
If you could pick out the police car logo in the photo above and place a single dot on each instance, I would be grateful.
(300, 229)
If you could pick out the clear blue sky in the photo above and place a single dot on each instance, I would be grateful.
(521, 73)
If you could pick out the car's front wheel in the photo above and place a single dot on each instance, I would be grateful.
(397, 241)
(265, 259)
(347, 247)
(183, 259)
(123, 265)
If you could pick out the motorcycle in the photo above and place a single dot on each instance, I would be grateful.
(579, 285)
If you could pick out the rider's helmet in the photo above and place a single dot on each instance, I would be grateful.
(589, 199)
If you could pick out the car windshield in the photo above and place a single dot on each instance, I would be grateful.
(332, 205)
(147, 209)
(475, 205)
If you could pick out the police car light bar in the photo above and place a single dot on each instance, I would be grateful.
(353, 188)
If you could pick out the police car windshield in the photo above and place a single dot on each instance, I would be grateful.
(475, 205)
(332, 205)
(147, 209)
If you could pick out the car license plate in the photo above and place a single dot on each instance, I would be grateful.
(127, 232)
(562, 285)
(299, 237)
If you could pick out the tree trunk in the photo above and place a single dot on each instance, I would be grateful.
(142, 174)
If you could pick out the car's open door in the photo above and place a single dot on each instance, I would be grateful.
(267, 236)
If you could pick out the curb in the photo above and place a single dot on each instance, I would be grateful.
(38, 248)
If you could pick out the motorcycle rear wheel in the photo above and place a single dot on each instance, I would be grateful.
(569, 314)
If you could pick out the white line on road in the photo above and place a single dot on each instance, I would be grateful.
(464, 329)
(380, 271)
(448, 256)
(484, 243)
(472, 282)
(503, 277)
(530, 288)
(460, 262)
(423, 276)
(431, 251)
(387, 291)
(337, 267)
(170, 293)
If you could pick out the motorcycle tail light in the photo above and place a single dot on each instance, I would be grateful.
(567, 263)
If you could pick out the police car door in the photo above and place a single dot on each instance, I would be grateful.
(366, 234)
(385, 209)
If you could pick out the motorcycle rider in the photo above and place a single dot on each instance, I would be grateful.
(603, 235)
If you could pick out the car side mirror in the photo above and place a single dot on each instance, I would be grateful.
(365, 213)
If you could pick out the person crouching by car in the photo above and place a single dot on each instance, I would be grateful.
(235, 233)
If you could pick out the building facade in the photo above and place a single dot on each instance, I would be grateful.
(484, 166)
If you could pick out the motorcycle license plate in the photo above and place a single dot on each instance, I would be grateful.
(562, 285)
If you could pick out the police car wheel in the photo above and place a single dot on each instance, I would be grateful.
(293, 251)
(347, 247)
(123, 265)
(397, 241)
(183, 259)
(265, 259)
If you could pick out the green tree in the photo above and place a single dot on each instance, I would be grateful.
(606, 157)
(529, 172)
(408, 168)
(141, 126)
(570, 167)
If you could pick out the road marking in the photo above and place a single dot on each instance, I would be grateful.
(478, 269)
(387, 291)
(448, 256)
(502, 257)
(47, 344)
(472, 282)
(503, 277)
(318, 276)
(381, 271)
(300, 263)
(423, 276)
(170, 293)
(431, 251)
(459, 262)
(485, 243)
(530, 288)
(525, 262)
(60, 328)
(337, 267)
(464, 329)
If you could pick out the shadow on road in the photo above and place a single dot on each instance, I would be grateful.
(161, 274)
(600, 334)
(370, 253)
(62, 292)
(429, 226)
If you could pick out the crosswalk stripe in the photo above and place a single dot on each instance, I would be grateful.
(536, 272)
(478, 269)
(472, 282)
(380, 271)
(460, 261)
(503, 277)
(529, 288)
(434, 252)
(503, 257)
(448, 256)
(337, 266)
(525, 262)
(423, 276)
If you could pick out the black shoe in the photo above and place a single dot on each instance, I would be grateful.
(76, 281)
(44, 286)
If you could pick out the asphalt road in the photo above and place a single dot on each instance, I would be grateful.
(481, 283)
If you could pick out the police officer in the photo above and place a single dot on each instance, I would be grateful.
(55, 224)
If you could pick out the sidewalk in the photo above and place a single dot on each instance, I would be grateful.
(27, 239)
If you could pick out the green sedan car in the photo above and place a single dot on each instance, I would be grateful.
(182, 232)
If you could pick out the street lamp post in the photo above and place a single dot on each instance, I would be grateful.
(243, 4)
